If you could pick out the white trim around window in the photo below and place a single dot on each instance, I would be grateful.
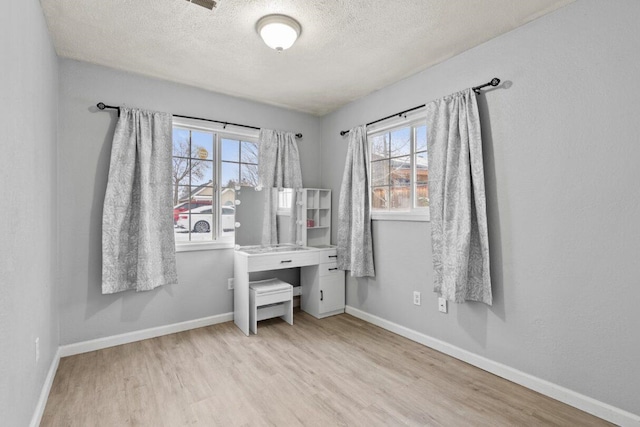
(202, 246)
(221, 131)
(401, 216)
(414, 213)
(230, 130)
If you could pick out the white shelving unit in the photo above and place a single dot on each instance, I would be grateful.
(323, 294)
(315, 214)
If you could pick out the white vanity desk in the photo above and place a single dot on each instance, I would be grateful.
(322, 284)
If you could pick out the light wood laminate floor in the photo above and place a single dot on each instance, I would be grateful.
(335, 371)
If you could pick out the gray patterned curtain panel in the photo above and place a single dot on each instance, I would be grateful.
(138, 248)
(355, 244)
(459, 234)
(279, 167)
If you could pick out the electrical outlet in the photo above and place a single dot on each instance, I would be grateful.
(230, 284)
(416, 298)
(37, 349)
(442, 305)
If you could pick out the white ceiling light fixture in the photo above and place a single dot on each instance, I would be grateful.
(279, 32)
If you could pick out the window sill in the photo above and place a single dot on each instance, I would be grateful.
(401, 216)
(203, 246)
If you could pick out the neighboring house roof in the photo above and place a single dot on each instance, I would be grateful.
(202, 191)
(206, 191)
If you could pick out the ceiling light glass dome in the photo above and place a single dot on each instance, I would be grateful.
(279, 32)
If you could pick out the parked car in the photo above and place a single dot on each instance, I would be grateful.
(184, 206)
(202, 217)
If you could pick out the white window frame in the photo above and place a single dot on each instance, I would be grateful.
(412, 214)
(221, 132)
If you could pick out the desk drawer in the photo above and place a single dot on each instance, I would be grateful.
(282, 260)
(328, 255)
(330, 269)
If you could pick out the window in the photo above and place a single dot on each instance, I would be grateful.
(399, 171)
(239, 163)
(209, 164)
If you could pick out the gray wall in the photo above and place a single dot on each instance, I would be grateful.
(28, 220)
(85, 145)
(561, 155)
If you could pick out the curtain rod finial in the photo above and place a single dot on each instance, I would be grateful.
(101, 105)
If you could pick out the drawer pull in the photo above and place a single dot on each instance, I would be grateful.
(321, 296)
(334, 268)
(285, 261)
(333, 256)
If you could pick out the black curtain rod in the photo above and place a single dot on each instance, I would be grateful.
(102, 106)
(494, 82)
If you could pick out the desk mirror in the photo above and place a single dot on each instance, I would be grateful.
(256, 207)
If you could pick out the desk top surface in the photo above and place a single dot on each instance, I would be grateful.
(258, 250)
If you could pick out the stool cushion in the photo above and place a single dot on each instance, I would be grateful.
(269, 285)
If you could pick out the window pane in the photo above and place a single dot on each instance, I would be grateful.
(230, 174)
(421, 138)
(228, 197)
(230, 150)
(249, 152)
(193, 217)
(180, 142)
(422, 171)
(380, 173)
(201, 145)
(422, 196)
(401, 197)
(181, 215)
(180, 171)
(227, 221)
(201, 172)
(182, 196)
(401, 171)
(380, 198)
(380, 146)
(180, 202)
(249, 175)
(400, 142)
(202, 224)
(201, 198)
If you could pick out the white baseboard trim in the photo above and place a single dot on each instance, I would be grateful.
(595, 407)
(44, 393)
(112, 341)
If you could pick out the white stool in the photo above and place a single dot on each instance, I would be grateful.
(270, 298)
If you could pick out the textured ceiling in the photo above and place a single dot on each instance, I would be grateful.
(347, 49)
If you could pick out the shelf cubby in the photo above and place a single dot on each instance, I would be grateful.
(316, 211)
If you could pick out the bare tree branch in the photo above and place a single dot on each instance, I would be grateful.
(186, 163)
